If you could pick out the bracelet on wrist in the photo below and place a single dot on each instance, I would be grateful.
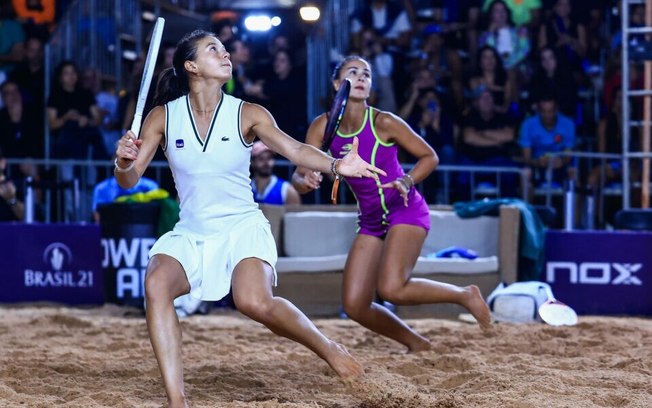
(403, 183)
(126, 169)
(334, 166)
(12, 202)
(409, 181)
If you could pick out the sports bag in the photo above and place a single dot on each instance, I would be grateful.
(518, 302)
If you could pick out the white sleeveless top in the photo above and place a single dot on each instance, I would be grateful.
(211, 175)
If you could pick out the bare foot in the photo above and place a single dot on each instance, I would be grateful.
(422, 344)
(475, 303)
(343, 362)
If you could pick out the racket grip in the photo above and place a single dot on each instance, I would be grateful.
(135, 124)
(336, 187)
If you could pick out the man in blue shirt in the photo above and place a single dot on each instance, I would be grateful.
(267, 188)
(108, 190)
(544, 134)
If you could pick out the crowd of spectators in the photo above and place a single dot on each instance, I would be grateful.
(485, 82)
(492, 83)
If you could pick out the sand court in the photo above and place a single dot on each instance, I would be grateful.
(53, 356)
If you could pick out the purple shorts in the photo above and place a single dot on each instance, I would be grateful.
(378, 222)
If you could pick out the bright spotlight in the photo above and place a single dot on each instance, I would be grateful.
(309, 13)
(258, 23)
(276, 21)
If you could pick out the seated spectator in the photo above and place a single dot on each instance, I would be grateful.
(241, 61)
(12, 207)
(382, 63)
(564, 34)
(424, 81)
(524, 12)
(106, 191)
(492, 75)
(552, 76)
(74, 117)
(443, 62)
(388, 18)
(458, 19)
(488, 139)
(434, 126)
(22, 137)
(107, 100)
(636, 20)
(511, 42)
(21, 125)
(283, 93)
(543, 134)
(267, 188)
(30, 73)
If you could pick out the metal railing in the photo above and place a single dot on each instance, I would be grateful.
(65, 187)
(586, 160)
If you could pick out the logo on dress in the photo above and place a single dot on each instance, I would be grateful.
(179, 143)
(346, 149)
(225, 138)
(56, 255)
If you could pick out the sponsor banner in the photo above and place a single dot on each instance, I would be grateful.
(128, 233)
(600, 272)
(51, 262)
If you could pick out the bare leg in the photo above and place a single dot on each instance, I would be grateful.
(252, 294)
(395, 284)
(359, 290)
(165, 281)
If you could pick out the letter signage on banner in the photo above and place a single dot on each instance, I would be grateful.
(128, 233)
(601, 272)
(51, 262)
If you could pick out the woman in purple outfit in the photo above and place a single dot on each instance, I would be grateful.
(393, 218)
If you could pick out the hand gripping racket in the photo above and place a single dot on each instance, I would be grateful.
(148, 73)
(334, 118)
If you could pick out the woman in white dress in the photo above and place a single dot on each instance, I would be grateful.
(222, 239)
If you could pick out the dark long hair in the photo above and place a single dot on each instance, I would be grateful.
(501, 74)
(174, 81)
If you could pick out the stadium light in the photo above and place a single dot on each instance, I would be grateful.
(309, 13)
(261, 22)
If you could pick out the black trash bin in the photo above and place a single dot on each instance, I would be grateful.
(128, 232)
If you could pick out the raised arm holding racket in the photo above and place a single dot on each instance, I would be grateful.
(394, 218)
(146, 80)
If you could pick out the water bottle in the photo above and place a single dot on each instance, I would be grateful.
(569, 206)
(29, 201)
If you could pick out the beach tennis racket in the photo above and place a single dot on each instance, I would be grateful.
(556, 313)
(148, 73)
(334, 118)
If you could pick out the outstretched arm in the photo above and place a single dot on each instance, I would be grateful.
(257, 121)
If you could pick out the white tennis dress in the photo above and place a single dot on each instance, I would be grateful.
(219, 223)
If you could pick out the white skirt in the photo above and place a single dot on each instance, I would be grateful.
(209, 261)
